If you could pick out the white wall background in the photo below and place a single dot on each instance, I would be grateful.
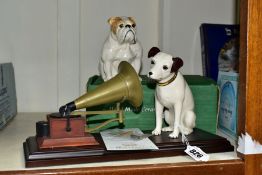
(55, 45)
(180, 33)
(28, 38)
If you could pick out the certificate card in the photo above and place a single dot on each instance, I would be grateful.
(227, 114)
(126, 139)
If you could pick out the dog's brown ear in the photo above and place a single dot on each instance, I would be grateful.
(113, 20)
(177, 64)
(132, 19)
(153, 51)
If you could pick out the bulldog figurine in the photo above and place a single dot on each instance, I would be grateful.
(121, 45)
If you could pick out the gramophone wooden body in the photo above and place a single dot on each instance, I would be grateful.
(60, 138)
(57, 127)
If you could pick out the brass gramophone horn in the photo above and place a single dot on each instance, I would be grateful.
(124, 86)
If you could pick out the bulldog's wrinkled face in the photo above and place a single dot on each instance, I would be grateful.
(161, 66)
(124, 29)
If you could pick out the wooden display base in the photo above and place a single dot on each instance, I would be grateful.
(34, 157)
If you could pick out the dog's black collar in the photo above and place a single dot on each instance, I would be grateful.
(167, 82)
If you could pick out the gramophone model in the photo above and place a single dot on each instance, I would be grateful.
(64, 138)
(68, 128)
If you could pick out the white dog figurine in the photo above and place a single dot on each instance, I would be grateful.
(172, 94)
(121, 45)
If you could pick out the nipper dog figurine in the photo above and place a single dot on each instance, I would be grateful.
(121, 45)
(173, 95)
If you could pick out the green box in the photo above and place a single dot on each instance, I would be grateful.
(205, 94)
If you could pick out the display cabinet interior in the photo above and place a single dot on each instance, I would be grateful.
(249, 114)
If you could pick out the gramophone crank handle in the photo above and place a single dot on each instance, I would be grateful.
(68, 127)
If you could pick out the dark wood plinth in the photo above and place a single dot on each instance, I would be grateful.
(34, 157)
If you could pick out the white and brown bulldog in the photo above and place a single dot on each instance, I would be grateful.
(172, 94)
(121, 45)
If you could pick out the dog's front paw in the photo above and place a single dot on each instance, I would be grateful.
(156, 131)
(174, 134)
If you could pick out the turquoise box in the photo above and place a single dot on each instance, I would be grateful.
(205, 94)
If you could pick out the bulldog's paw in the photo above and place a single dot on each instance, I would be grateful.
(174, 134)
(156, 131)
(167, 129)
